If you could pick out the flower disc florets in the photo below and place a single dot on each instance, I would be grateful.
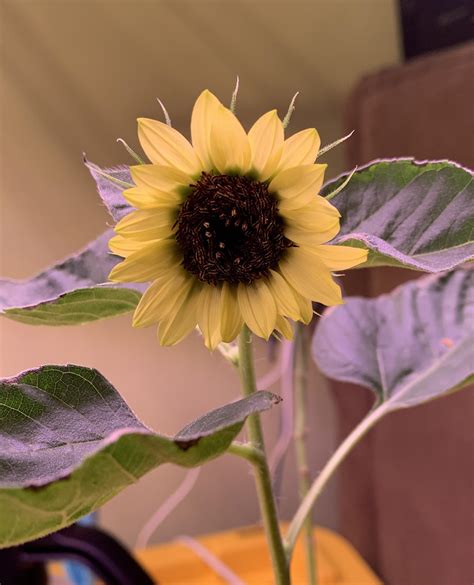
(229, 230)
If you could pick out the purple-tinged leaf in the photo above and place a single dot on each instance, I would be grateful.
(71, 292)
(110, 187)
(69, 443)
(88, 267)
(79, 306)
(409, 346)
(417, 215)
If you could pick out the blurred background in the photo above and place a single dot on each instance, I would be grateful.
(75, 76)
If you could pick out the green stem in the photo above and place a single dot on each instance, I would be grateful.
(262, 473)
(318, 485)
(301, 363)
(246, 451)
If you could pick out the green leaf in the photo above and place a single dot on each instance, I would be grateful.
(72, 292)
(79, 306)
(418, 215)
(69, 443)
(408, 347)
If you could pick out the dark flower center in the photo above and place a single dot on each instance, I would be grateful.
(229, 230)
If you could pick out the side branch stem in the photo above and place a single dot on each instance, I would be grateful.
(300, 434)
(246, 451)
(318, 485)
(262, 473)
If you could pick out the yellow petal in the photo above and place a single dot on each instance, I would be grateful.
(124, 246)
(161, 297)
(230, 317)
(148, 263)
(229, 145)
(182, 320)
(341, 257)
(308, 274)
(149, 224)
(160, 178)
(283, 296)
(208, 315)
(143, 198)
(296, 187)
(266, 140)
(305, 237)
(258, 307)
(284, 327)
(202, 119)
(312, 215)
(311, 225)
(164, 145)
(300, 149)
(305, 306)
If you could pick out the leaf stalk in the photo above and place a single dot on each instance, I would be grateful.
(247, 451)
(319, 484)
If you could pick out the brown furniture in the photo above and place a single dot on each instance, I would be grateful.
(406, 492)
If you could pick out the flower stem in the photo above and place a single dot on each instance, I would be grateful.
(318, 485)
(262, 473)
(300, 434)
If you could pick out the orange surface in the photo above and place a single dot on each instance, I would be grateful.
(245, 552)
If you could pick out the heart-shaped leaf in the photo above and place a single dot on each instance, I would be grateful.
(69, 443)
(72, 292)
(417, 215)
(409, 346)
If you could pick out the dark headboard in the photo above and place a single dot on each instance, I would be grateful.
(428, 25)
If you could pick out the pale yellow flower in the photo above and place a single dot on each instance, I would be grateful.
(229, 229)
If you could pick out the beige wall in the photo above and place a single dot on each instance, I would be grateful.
(75, 75)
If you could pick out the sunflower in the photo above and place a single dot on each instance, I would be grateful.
(229, 229)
